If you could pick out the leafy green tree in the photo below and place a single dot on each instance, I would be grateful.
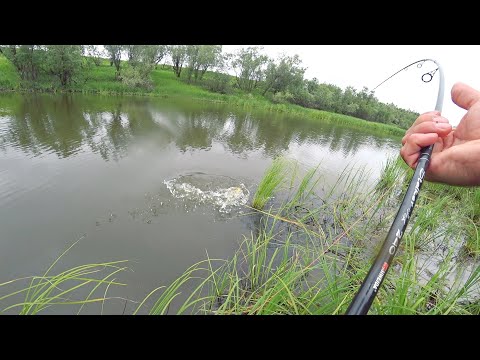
(283, 74)
(139, 67)
(27, 59)
(200, 58)
(312, 85)
(64, 62)
(155, 53)
(94, 53)
(178, 54)
(248, 64)
(192, 59)
(219, 80)
(210, 56)
(115, 54)
(348, 101)
(138, 76)
(366, 102)
(327, 97)
(134, 53)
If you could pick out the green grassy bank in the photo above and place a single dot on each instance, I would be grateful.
(100, 80)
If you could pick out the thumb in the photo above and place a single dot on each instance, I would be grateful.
(464, 95)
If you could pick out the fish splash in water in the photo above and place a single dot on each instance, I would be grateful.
(225, 199)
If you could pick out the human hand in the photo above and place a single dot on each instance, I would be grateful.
(455, 158)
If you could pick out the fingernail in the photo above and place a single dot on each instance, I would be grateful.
(440, 119)
(443, 126)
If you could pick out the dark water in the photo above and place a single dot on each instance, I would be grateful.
(101, 169)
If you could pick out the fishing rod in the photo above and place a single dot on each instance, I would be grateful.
(368, 290)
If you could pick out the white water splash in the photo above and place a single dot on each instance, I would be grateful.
(224, 198)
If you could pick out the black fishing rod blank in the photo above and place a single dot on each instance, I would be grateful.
(368, 290)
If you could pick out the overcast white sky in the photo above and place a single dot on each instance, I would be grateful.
(368, 65)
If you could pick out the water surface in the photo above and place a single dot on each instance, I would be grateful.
(158, 182)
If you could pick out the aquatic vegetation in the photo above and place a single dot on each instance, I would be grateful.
(41, 292)
(393, 172)
(312, 261)
(274, 176)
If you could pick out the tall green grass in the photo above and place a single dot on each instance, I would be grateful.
(314, 262)
(472, 234)
(9, 78)
(446, 291)
(78, 286)
(393, 171)
(273, 178)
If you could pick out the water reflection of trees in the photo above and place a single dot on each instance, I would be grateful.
(53, 124)
(67, 124)
(195, 131)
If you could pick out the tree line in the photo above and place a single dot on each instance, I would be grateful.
(249, 70)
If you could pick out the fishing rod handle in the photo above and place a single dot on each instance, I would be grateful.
(368, 290)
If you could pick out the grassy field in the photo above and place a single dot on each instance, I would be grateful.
(9, 78)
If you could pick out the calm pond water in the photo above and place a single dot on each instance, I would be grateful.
(154, 181)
